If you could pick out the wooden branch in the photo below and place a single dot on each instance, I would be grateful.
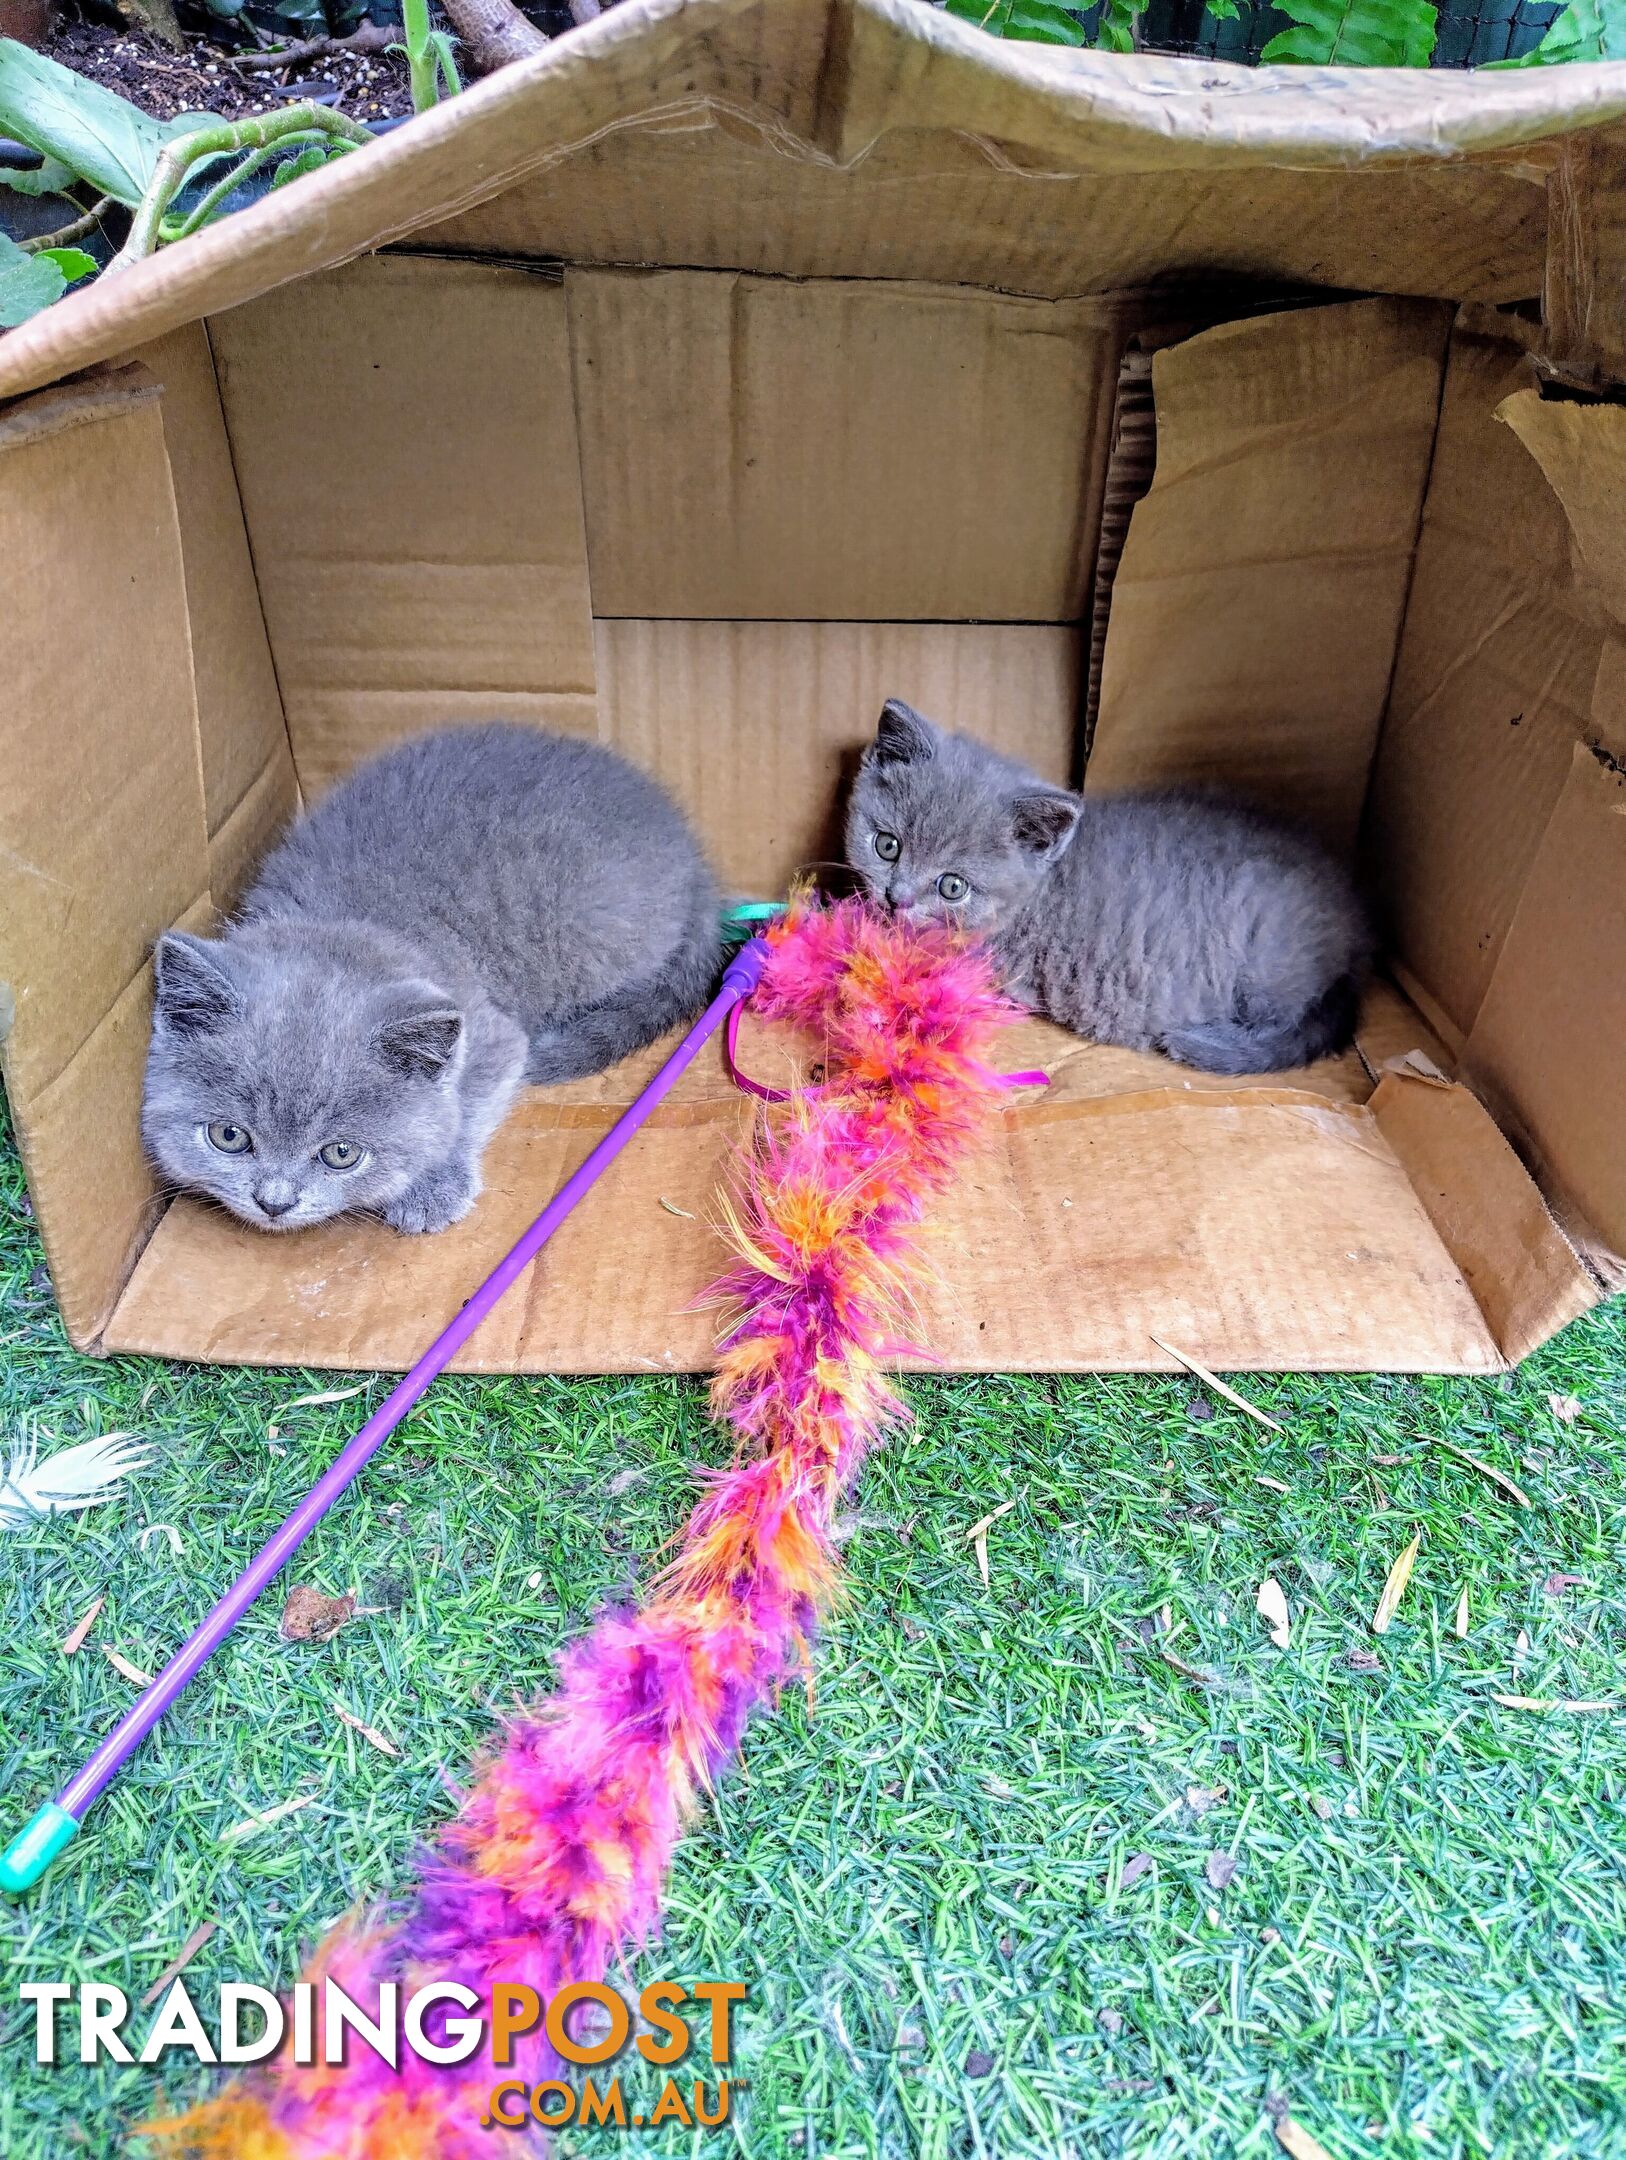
(368, 38)
(65, 234)
(493, 32)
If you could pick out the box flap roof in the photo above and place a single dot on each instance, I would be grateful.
(826, 84)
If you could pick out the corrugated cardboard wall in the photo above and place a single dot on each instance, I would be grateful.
(708, 189)
(1257, 605)
(405, 441)
(1495, 814)
(103, 838)
(798, 499)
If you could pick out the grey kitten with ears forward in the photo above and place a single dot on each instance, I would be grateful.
(469, 911)
(1171, 921)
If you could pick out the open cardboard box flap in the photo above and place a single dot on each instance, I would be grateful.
(856, 442)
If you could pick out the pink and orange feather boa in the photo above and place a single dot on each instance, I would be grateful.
(552, 1869)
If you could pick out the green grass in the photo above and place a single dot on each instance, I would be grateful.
(1423, 1950)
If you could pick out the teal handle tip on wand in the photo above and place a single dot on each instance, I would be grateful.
(34, 1847)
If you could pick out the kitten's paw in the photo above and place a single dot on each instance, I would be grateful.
(433, 1202)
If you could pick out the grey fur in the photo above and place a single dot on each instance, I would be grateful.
(1171, 921)
(471, 910)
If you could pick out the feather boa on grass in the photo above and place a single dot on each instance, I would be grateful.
(552, 1869)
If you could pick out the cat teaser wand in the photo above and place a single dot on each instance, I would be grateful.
(33, 1849)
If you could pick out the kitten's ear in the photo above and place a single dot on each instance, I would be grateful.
(1042, 822)
(902, 736)
(420, 1038)
(195, 995)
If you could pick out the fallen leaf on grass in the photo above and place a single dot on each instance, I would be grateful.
(1322, 1805)
(1460, 1624)
(254, 1824)
(179, 1962)
(1219, 1868)
(1191, 1672)
(132, 1673)
(978, 2065)
(1208, 1379)
(309, 1616)
(1550, 1702)
(1111, 2022)
(1557, 1583)
(74, 1641)
(1485, 1469)
(1200, 1798)
(1134, 1868)
(1566, 1408)
(1359, 1660)
(978, 1534)
(1293, 2138)
(1271, 1606)
(373, 1738)
(624, 1481)
(309, 1402)
(1273, 1484)
(1394, 1587)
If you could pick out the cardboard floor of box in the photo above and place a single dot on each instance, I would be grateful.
(1263, 1224)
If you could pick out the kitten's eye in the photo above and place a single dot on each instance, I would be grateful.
(888, 846)
(230, 1139)
(952, 886)
(340, 1154)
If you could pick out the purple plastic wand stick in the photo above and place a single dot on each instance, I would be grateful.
(38, 1843)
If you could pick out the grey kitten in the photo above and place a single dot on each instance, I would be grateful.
(1168, 921)
(469, 911)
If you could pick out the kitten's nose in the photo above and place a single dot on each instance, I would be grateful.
(901, 894)
(274, 1200)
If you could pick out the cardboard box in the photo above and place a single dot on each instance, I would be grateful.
(731, 366)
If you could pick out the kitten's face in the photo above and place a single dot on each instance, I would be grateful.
(940, 827)
(291, 1087)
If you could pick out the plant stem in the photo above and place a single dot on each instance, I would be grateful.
(218, 193)
(265, 131)
(66, 233)
(429, 57)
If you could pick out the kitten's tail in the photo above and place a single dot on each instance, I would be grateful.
(1266, 1042)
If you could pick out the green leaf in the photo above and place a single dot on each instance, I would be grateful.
(1586, 30)
(27, 284)
(51, 178)
(1043, 22)
(1354, 33)
(308, 161)
(1117, 32)
(1223, 10)
(73, 262)
(98, 136)
(1038, 22)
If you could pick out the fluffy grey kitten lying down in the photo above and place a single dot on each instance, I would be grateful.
(1172, 922)
(469, 911)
